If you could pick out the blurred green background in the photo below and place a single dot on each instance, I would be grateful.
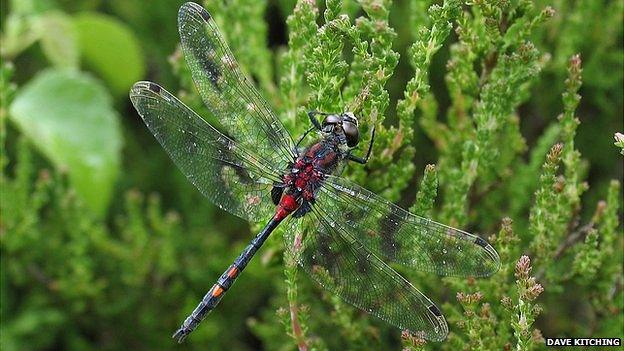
(105, 244)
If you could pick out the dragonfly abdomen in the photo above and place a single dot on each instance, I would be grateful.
(225, 281)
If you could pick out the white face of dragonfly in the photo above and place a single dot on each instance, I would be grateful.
(345, 126)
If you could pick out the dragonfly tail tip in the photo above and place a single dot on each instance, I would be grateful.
(180, 335)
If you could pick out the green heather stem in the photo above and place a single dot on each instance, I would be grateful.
(571, 157)
(543, 220)
(296, 328)
(427, 193)
(301, 30)
(525, 310)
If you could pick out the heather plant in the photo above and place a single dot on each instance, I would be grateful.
(500, 117)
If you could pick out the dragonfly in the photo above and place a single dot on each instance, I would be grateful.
(342, 235)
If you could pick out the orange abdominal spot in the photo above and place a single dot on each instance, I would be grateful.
(233, 271)
(217, 291)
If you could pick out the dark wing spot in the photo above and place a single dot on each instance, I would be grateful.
(202, 12)
(199, 43)
(434, 309)
(154, 87)
(327, 257)
(363, 266)
(481, 242)
(205, 15)
(242, 174)
(202, 54)
(388, 229)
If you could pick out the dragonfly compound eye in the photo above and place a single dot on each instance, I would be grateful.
(332, 119)
(351, 132)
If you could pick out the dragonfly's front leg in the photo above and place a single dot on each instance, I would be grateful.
(314, 120)
(315, 125)
(364, 160)
(303, 137)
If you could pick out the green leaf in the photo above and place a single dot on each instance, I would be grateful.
(58, 39)
(18, 35)
(110, 48)
(69, 117)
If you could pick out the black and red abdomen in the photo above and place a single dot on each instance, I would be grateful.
(288, 204)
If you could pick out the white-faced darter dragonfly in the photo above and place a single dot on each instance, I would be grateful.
(340, 233)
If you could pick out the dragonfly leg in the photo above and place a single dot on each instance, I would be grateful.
(304, 135)
(218, 290)
(364, 160)
(314, 120)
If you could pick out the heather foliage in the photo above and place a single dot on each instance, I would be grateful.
(494, 116)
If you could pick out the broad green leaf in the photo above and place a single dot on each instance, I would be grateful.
(110, 48)
(32, 20)
(19, 33)
(68, 116)
(58, 38)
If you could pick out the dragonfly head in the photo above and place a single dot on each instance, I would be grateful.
(344, 123)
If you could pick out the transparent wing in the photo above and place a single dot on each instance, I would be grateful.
(329, 253)
(397, 235)
(241, 110)
(235, 179)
